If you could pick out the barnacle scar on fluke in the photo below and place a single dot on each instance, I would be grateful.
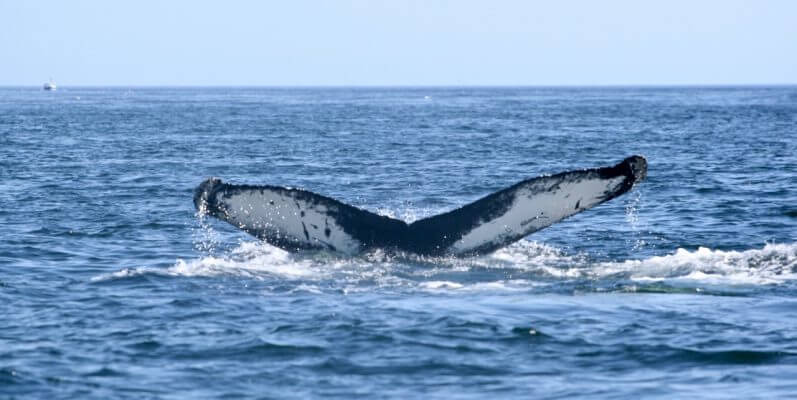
(296, 219)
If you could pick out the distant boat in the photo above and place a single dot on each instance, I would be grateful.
(49, 85)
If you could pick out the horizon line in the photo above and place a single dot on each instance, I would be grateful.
(406, 86)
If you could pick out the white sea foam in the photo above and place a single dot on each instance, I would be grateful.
(440, 285)
(774, 263)
(518, 267)
(250, 259)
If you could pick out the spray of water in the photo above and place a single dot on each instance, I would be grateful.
(632, 207)
(522, 265)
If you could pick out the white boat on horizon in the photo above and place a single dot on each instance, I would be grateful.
(50, 85)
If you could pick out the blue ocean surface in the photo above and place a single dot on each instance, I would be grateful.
(111, 286)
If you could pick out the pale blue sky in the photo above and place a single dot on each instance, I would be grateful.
(488, 42)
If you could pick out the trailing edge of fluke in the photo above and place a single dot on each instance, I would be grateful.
(296, 219)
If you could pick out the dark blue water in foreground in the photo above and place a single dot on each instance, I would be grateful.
(111, 287)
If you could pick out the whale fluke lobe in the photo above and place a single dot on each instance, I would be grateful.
(296, 219)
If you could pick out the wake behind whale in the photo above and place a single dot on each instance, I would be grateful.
(296, 219)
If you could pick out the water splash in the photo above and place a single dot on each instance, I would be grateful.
(523, 265)
(775, 263)
(632, 206)
(204, 237)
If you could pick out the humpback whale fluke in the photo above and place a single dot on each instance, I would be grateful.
(296, 219)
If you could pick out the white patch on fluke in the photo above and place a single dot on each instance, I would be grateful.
(284, 216)
(536, 207)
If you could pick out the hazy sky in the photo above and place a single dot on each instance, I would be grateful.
(457, 42)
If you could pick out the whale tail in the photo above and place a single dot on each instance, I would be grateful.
(296, 219)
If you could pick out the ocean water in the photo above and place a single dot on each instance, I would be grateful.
(112, 287)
